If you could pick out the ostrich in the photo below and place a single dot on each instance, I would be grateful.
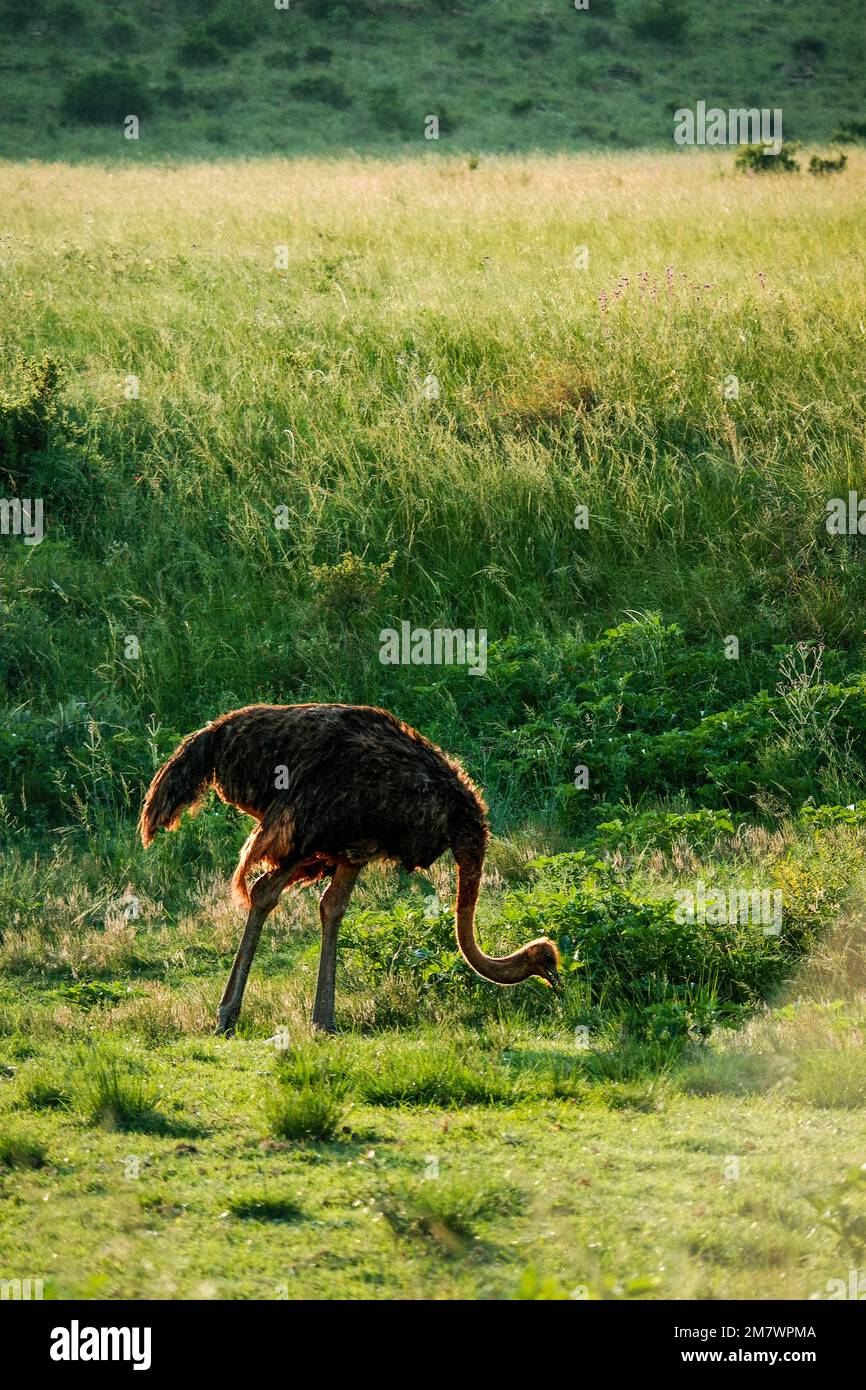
(334, 787)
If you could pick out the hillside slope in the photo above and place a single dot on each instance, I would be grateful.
(242, 77)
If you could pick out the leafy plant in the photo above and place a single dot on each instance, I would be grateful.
(200, 47)
(828, 164)
(387, 106)
(353, 585)
(841, 1209)
(89, 993)
(105, 95)
(28, 408)
(759, 159)
(666, 21)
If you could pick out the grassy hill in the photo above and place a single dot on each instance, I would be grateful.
(239, 77)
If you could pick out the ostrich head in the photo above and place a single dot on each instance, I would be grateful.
(543, 958)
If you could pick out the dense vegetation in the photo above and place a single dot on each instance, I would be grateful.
(225, 77)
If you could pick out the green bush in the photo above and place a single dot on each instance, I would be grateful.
(351, 586)
(325, 90)
(121, 33)
(105, 95)
(234, 24)
(849, 132)
(809, 47)
(755, 159)
(28, 409)
(663, 829)
(828, 164)
(387, 106)
(319, 53)
(666, 21)
(200, 48)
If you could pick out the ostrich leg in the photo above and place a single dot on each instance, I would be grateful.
(264, 898)
(332, 907)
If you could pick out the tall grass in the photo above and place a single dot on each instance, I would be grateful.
(262, 389)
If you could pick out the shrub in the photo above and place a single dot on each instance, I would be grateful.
(663, 829)
(809, 47)
(666, 21)
(828, 164)
(755, 159)
(234, 24)
(671, 978)
(121, 33)
(105, 95)
(386, 106)
(828, 817)
(319, 53)
(352, 585)
(322, 89)
(849, 132)
(199, 47)
(27, 410)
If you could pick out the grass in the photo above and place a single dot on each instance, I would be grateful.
(116, 1096)
(214, 80)
(246, 479)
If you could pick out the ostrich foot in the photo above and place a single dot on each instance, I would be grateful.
(226, 1020)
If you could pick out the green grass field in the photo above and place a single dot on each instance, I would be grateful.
(218, 379)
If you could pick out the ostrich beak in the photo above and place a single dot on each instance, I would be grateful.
(552, 978)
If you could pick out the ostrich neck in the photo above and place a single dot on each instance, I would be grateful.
(502, 970)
